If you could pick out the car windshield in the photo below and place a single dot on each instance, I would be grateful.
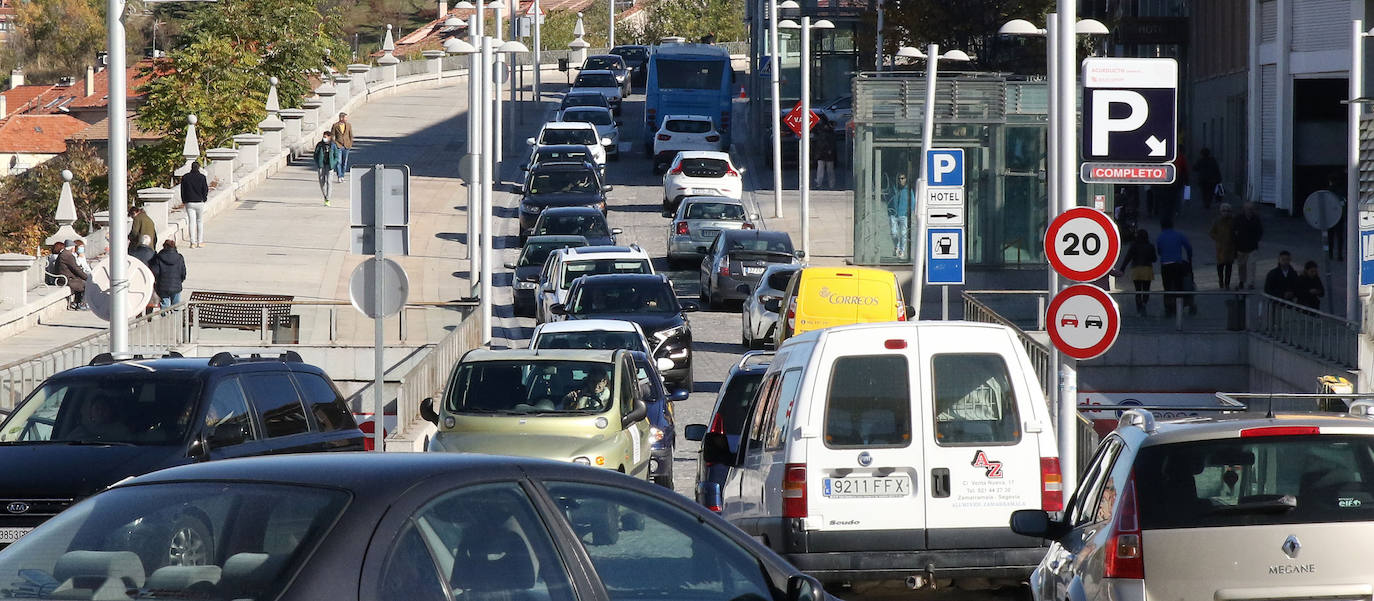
(623, 297)
(585, 99)
(602, 62)
(531, 386)
(576, 269)
(537, 251)
(583, 136)
(141, 408)
(593, 116)
(548, 156)
(759, 244)
(600, 340)
(595, 80)
(688, 126)
(249, 539)
(699, 167)
(563, 182)
(632, 53)
(590, 224)
(715, 211)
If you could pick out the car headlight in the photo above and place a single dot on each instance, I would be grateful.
(655, 434)
(530, 209)
(526, 285)
(662, 335)
(582, 461)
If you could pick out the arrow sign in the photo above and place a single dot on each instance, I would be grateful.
(943, 216)
(1157, 146)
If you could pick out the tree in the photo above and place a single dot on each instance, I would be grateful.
(968, 25)
(557, 31)
(28, 201)
(54, 38)
(693, 19)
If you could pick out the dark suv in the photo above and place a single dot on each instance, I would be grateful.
(734, 402)
(559, 185)
(88, 427)
(646, 299)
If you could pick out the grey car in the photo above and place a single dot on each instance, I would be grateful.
(759, 316)
(699, 220)
(736, 260)
(613, 63)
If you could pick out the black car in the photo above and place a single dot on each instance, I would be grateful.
(636, 60)
(526, 269)
(613, 63)
(734, 402)
(662, 423)
(737, 259)
(88, 427)
(559, 185)
(559, 153)
(588, 222)
(646, 299)
(409, 526)
(583, 98)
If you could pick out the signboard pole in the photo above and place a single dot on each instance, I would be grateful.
(918, 213)
(1067, 15)
(378, 364)
(1052, 184)
(944, 302)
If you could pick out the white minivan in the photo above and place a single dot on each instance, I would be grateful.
(897, 452)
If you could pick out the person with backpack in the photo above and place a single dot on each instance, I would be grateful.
(169, 271)
(326, 161)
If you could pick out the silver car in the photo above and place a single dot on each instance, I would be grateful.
(736, 260)
(759, 316)
(1243, 507)
(699, 220)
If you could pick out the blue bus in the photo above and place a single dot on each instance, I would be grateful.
(687, 79)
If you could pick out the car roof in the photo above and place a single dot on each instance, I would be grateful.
(862, 273)
(561, 165)
(712, 199)
(689, 117)
(756, 234)
(582, 92)
(563, 148)
(897, 328)
(607, 55)
(691, 49)
(556, 238)
(595, 72)
(704, 154)
(575, 210)
(177, 365)
(1193, 429)
(605, 252)
(589, 325)
(624, 278)
(586, 107)
(521, 354)
(568, 125)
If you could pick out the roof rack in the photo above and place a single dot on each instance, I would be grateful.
(111, 358)
(753, 358)
(1325, 402)
(224, 358)
(1226, 405)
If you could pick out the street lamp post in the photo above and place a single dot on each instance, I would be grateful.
(775, 66)
(495, 79)
(1352, 172)
(455, 45)
(475, 110)
(804, 144)
(489, 162)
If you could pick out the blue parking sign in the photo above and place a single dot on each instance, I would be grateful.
(945, 167)
(945, 255)
(1366, 257)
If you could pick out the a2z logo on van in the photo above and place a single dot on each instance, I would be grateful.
(993, 469)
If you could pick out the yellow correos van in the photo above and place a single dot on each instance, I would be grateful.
(822, 297)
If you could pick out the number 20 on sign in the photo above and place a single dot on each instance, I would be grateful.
(1082, 244)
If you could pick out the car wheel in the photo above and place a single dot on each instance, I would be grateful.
(189, 543)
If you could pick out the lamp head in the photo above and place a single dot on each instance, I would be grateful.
(458, 46)
(1091, 27)
(1020, 27)
(512, 47)
(955, 55)
(788, 24)
(823, 24)
(465, 5)
(453, 21)
(910, 52)
(788, 5)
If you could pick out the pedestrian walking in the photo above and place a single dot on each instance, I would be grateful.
(900, 199)
(824, 145)
(1246, 232)
(169, 272)
(1308, 288)
(1175, 265)
(65, 266)
(1208, 174)
(342, 132)
(195, 190)
(1224, 238)
(142, 226)
(326, 161)
(1282, 281)
(1140, 258)
(143, 251)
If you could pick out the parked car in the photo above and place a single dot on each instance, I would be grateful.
(648, 300)
(561, 153)
(680, 133)
(565, 265)
(662, 417)
(398, 526)
(575, 132)
(699, 173)
(915, 441)
(588, 222)
(737, 259)
(636, 59)
(526, 269)
(549, 404)
(734, 403)
(759, 315)
(559, 185)
(613, 63)
(88, 427)
(602, 82)
(607, 127)
(839, 112)
(576, 97)
(699, 220)
(821, 297)
(1205, 507)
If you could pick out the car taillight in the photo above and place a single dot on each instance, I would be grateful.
(713, 138)
(664, 137)
(794, 490)
(675, 170)
(747, 226)
(682, 228)
(717, 424)
(791, 317)
(1051, 485)
(1125, 555)
(732, 173)
(725, 269)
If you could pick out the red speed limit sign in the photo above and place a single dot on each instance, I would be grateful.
(1082, 244)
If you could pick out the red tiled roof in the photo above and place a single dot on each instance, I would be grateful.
(100, 130)
(24, 98)
(38, 134)
(101, 86)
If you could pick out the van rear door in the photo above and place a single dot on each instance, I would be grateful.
(981, 463)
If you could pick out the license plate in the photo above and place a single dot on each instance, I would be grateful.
(710, 233)
(704, 192)
(9, 535)
(753, 271)
(867, 487)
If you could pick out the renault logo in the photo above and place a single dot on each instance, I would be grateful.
(1291, 547)
(17, 507)
(865, 459)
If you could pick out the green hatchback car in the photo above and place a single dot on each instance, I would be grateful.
(581, 406)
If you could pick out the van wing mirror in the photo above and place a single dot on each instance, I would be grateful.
(1036, 523)
(694, 432)
(802, 587)
(427, 411)
(227, 434)
(639, 412)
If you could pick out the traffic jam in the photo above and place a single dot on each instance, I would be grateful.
(696, 413)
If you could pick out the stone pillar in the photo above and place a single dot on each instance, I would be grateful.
(343, 91)
(311, 122)
(190, 149)
(436, 62)
(14, 284)
(157, 204)
(248, 152)
(388, 61)
(326, 93)
(66, 213)
(359, 74)
(293, 134)
(221, 170)
(272, 126)
(579, 46)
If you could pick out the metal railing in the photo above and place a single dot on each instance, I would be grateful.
(428, 376)
(975, 310)
(1329, 337)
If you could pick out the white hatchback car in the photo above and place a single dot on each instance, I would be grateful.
(596, 334)
(572, 132)
(567, 264)
(607, 127)
(700, 173)
(600, 80)
(683, 132)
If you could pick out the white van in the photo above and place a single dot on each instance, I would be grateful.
(897, 451)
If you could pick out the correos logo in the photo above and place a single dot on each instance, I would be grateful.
(840, 299)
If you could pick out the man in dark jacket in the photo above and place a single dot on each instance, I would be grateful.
(66, 266)
(1282, 281)
(169, 271)
(1246, 233)
(194, 192)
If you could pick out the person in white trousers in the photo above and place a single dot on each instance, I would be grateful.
(194, 192)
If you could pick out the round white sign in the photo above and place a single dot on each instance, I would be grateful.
(139, 294)
(1083, 321)
(1082, 244)
(1323, 209)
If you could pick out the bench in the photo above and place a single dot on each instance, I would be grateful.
(241, 311)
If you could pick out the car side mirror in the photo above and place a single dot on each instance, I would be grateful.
(529, 141)
(1036, 523)
(607, 188)
(427, 411)
(606, 142)
(773, 306)
(227, 434)
(742, 288)
(690, 306)
(663, 363)
(640, 411)
(909, 311)
(694, 432)
(715, 448)
(802, 587)
(558, 309)
(615, 231)
(518, 188)
(510, 265)
(800, 254)
(679, 394)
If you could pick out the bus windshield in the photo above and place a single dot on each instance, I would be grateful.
(676, 74)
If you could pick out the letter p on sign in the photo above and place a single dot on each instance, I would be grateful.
(945, 167)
